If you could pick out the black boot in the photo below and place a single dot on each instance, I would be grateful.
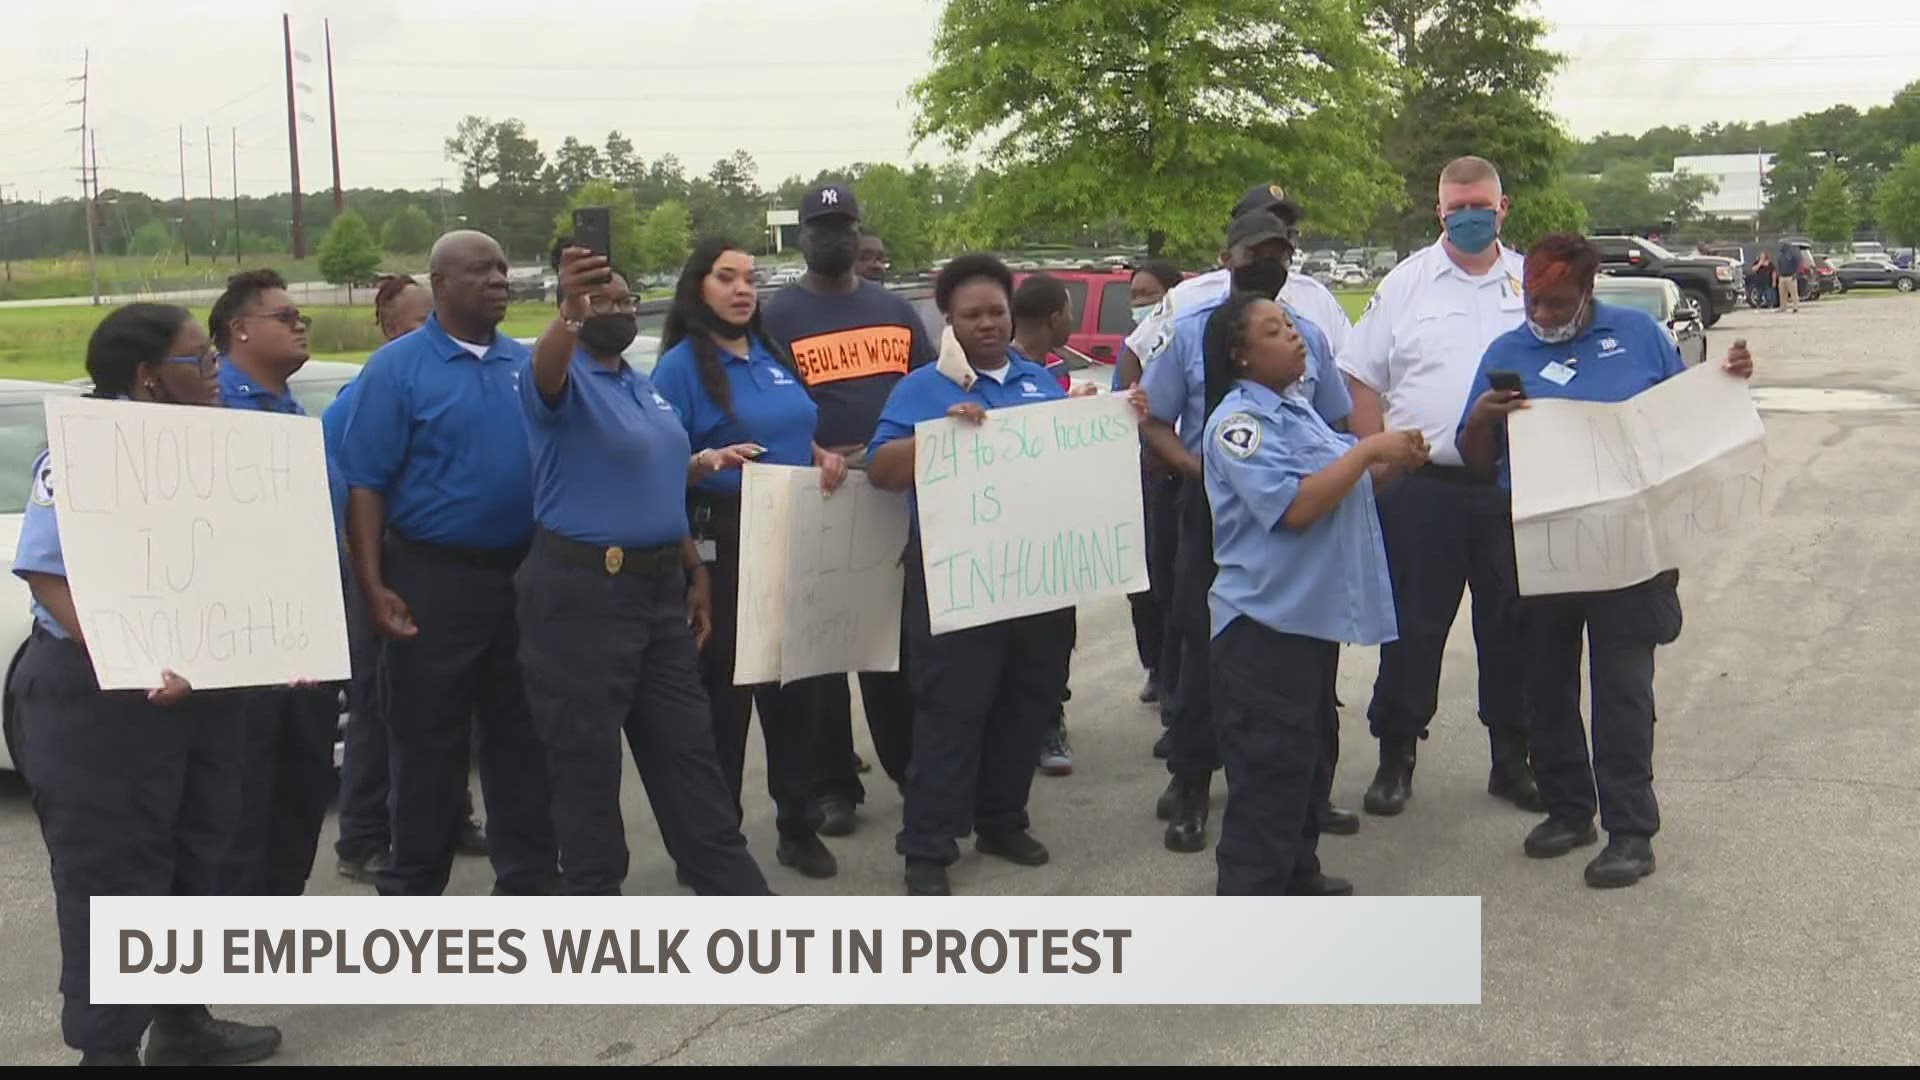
(1163, 806)
(1511, 778)
(1187, 820)
(807, 855)
(927, 877)
(121, 1055)
(1555, 837)
(1625, 860)
(836, 815)
(1337, 821)
(1393, 782)
(189, 1035)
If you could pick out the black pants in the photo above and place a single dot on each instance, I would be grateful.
(134, 799)
(1444, 530)
(1622, 627)
(1193, 752)
(288, 783)
(1275, 714)
(1160, 486)
(457, 678)
(887, 697)
(363, 764)
(612, 655)
(983, 699)
(786, 712)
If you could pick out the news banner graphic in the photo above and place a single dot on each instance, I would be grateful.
(790, 950)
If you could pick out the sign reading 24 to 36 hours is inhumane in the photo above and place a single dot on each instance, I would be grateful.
(1035, 510)
(198, 540)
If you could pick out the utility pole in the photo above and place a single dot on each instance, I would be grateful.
(186, 208)
(86, 193)
(443, 204)
(6, 248)
(213, 208)
(293, 140)
(235, 143)
(333, 121)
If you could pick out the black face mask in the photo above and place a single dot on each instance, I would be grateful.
(831, 252)
(1264, 275)
(608, 335)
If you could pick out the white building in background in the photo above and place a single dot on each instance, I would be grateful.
(1742, 193)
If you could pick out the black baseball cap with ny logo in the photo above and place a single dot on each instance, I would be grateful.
(829, 200)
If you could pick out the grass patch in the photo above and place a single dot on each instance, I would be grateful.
(41, 279)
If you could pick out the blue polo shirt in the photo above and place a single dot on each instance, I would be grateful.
(1620, 354)
(333, 428)
(239, 391)
(440, 433)
(1327, 581)
(609, 458)
(38, 550)
(769, 406)
(1176, 381)
(926, 394)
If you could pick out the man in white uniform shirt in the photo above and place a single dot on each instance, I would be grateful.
(1409, 364)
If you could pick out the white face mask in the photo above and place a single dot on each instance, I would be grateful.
(1560, 335)
(1141, 311)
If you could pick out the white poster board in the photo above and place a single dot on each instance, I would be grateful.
(199, 540)
(1036, 510)
(820, 576)
(1608, 495)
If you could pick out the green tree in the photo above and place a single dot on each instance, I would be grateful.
(1469, 77)
(153, 238)
(1831, 210)
(408, 232)
(898, 206)
(1159, 115)
(503, 188)
(1679, 195)
(348, 255)
(1538, 213)
(664, 238)
(628, 252)
(1896, 202)
(575, 165)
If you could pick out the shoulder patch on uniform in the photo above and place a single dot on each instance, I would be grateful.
(1372, 302)
(1239, 435)
(43, 482)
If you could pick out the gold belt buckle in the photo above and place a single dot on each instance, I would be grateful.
(616, 558)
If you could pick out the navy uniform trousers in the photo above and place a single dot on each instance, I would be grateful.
(786, 712)
(1160, 494)
(608, 655)
(1623, 628)
(1274, 692)
(1445, 527)
(364, 830)
(134, 799)
(288, 781)
(983, 699)
(457, 678)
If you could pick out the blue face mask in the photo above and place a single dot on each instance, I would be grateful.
(1472, 229)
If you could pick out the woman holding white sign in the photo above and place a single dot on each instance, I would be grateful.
(137, 794)
(1573, 346)
(983, 696)
(734, 389)
(1301, 569)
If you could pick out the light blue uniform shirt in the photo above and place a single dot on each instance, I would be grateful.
(1326, 581)
(39, 548)
(1176, 382)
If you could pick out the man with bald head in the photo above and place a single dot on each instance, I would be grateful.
(440, 514)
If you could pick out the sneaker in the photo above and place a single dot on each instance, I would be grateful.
(807, 855)
(362, 870)
(1056, 757)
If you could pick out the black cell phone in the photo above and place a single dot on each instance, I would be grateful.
(593, 229)
(1506, 380)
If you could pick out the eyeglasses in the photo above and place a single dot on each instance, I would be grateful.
(600, 305)
(208, 362)
(291, 318)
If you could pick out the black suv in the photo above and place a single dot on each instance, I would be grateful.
(1712, 283)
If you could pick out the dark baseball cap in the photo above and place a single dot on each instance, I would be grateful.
(1256, 226)
(827, 200)
(1269, 197)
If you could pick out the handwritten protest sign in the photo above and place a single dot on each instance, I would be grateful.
(1608, 495)
(820, 578)
(200, 540)
(1035, 510)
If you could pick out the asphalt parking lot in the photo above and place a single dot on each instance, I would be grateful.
(1781, 926)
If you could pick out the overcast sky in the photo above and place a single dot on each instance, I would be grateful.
(801, 84)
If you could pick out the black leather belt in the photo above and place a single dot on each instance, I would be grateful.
(608, 560)
(507, 559)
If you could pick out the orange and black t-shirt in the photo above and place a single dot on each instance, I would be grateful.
(850, 348)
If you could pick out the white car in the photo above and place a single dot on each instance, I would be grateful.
(1347, 274)
(23, 434)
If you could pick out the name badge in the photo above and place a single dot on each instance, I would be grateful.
(1558, 373)
(707, 550)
